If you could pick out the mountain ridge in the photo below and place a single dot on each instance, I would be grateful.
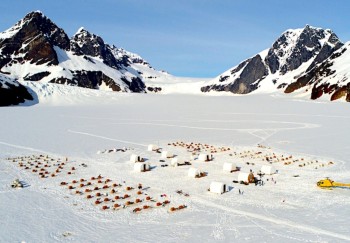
(35, 49)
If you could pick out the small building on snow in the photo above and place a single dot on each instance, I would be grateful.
(166, 155)
(268, 170)
(141, 167)
(205, 157)
(217, 187)
(152, 147)
(229, 167)
(246, 177)
(194, 173)
(177, 161)
(136, 158)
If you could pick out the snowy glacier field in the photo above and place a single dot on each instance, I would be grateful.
(78, 124)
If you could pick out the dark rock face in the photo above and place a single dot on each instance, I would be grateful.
(137, 85)
(254, 70)
(313, 76)
(299, 83)
(35, 36)
(85, 43)
(154, 89)
(13, 93)
(37, 76)
(317, 75)
(326, 51)
(89, 79)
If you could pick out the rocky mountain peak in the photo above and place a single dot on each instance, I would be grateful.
(32, 39)
(296, 51)
(87, 43)
(295, 47)
(36, 23)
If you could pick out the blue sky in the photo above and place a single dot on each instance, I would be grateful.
(194, 38)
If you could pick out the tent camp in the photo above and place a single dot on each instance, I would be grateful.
(229, 167)
(246, 177)
(268, 170)
(205, 157)
(136, 158)
(141, 167)
(152, 147)
(217, 187)
(167, 154)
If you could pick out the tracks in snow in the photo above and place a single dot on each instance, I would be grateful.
(106, 138)
(301, 227)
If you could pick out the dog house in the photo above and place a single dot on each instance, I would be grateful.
(217, 187)
(246, 177)
(166, 155)
(194, 173)
(268, 170)
(136, 158)
(141, 167)
(229, 167)
(152, 147)
(177, 161)
(205, 157)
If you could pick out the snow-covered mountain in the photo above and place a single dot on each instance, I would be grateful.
(309, 62)
(36, 49)
(331, 77)
(294, 54)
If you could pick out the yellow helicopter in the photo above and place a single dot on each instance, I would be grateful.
(328, 184)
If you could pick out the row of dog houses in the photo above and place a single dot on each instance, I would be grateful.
(167, 155)
(227, 167)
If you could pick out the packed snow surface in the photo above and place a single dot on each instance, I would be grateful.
(78, 124)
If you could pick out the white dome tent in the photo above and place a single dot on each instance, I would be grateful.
(268, 170)
(141, 167)
(194, 173)
(217, 187)
(136, 158)
(152, 147)
(177, 161)
(246, 177)
(167, 155)
(229, 167)
(205, 157)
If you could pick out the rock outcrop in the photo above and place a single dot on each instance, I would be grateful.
(12, 92)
